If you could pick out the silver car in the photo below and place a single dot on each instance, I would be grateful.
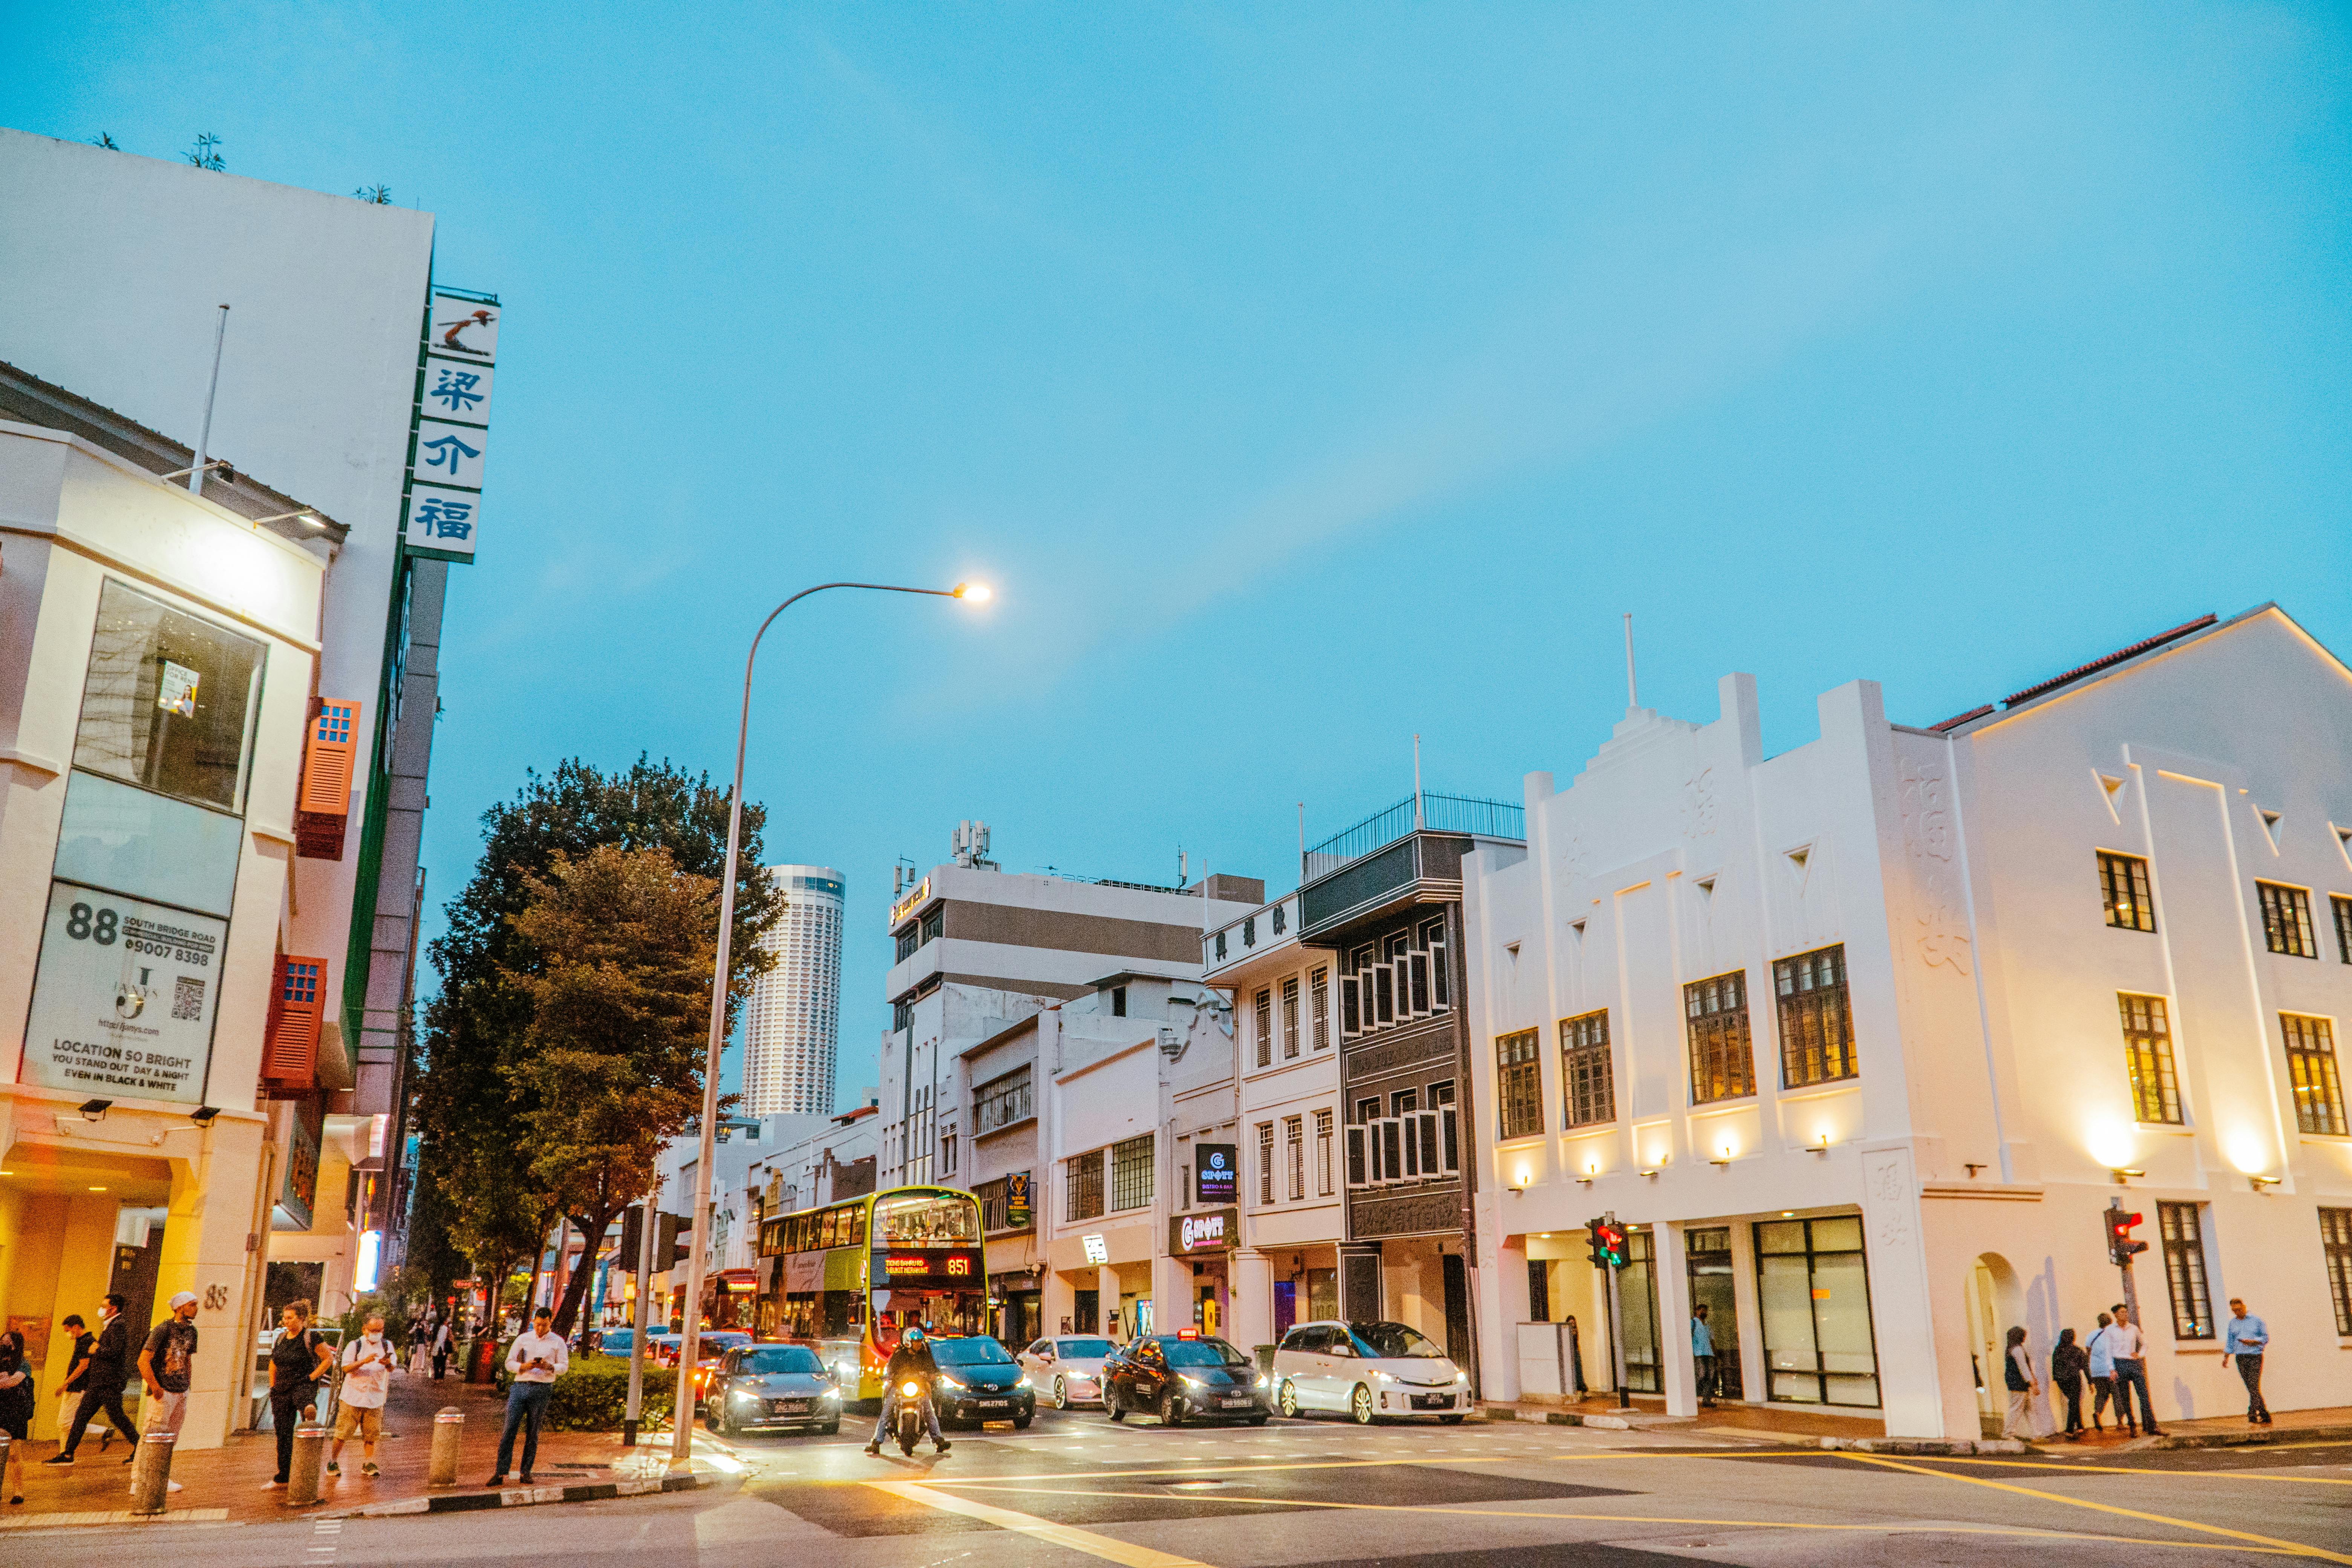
(1366, 1372)
(1066, 1369)
(768, 1387)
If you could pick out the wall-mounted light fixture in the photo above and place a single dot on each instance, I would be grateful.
(1821, 1144)
(2123, 1174)
(2262, 1183)
(1651, 1173)
(96, 1110)
(1591, 1169)
(1723, 1159)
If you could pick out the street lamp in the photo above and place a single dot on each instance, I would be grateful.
(682, 1396)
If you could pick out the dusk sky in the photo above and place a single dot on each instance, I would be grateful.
(1303, 377)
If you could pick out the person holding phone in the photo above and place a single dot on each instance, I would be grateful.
(536, 1359)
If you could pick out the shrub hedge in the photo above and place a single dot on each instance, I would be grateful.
(592, 1394)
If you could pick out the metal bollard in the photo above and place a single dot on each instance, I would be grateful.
(310, 1453)
(151, 1472)
(449, 1428)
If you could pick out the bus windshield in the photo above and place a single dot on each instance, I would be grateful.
(924, 1219)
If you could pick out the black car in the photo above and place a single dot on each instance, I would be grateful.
(763, 1387)
(1184, 1377)
(979, 1382)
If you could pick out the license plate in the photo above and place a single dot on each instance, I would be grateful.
(1237, 1403)
(788, 1406)
(994, 1403)
(1433, 1402)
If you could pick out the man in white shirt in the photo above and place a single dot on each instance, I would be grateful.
(2130, 1347)
(367, 1384)
(536, 1359)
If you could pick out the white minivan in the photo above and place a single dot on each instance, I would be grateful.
(1366, 1371)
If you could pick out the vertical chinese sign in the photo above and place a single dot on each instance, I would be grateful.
(453, 425)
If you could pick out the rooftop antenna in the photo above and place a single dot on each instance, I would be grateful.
(1416, 784)
(212, 389)
(1182, 876)
(1632, 701)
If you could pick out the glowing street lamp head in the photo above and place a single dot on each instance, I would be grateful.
(974, 593)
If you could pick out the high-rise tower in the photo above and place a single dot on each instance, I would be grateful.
(791, 1029)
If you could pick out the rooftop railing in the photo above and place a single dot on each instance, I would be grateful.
(1438, 814)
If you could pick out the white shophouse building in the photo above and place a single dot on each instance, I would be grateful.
(1863, 1037)
(1292, 1175)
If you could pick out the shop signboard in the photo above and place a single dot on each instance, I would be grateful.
(450, 449)
(1017, 1216)
(1215, 1176)
(123, 998)
(1194, 1233)
(1097, 1249)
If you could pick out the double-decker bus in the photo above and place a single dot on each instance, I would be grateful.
(857, 1273)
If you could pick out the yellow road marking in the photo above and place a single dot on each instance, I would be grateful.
(1077, 1540)
(1261, 1466)
(2295, 1547)
(1448, 1509)
(2130, 1469)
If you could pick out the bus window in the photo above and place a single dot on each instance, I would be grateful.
(923, 1220)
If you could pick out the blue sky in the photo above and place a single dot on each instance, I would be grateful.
(1306, 376)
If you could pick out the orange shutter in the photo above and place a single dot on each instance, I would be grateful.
(326, 765)
(289, 1056)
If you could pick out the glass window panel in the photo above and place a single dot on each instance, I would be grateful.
(1783, 1292)
(1780, 1235)
(1843, 1233)
(170, 701)
(148, 845)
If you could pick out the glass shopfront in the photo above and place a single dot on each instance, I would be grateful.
(1637, 1301)
(1813, 1287)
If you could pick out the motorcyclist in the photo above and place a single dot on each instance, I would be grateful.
(912, 1359)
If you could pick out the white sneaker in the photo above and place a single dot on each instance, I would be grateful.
(172, 1485)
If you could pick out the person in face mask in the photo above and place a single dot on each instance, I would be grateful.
(367, 1364)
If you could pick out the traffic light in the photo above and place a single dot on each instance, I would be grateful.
(625, 1260)
(668, 1250)
(2120, 1244)
(1608, 1242)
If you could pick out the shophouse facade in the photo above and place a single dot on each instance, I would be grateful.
(1864, 1038)
(117, 269)
(963, 1103)
(1288, 1175)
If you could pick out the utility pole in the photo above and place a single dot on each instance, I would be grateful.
(648, 1221)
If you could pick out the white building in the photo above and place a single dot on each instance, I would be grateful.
(1291, 1176)
(113, 272)
(792, 1026)
(979, 950)
(1864, 1036)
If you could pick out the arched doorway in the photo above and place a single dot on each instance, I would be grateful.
(1995, 1301)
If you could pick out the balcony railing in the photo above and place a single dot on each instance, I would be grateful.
(1439, 813)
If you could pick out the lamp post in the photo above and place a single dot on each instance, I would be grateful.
(682, 1396)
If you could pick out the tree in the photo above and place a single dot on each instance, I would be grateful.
(473, 1112)
(620, 998)
(205, 153)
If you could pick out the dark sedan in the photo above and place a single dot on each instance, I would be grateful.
(1184, 1377)
(766, 1387)
(979, 1382)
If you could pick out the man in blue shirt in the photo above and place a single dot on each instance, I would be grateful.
(2247, 1338)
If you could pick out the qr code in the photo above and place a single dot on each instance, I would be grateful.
(187, 998)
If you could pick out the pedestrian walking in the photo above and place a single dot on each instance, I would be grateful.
(1703, 1357)
(2100, 1355)
(2066, 1363)
(442, 1339)
(16, 1409)
(2017, 1372)
(536, 1359)
(367, 1384)
(163, 1365)
(2131, 1370)
(77, 1376)
(2247, 1338)
(299, 1363)
(108, 1372)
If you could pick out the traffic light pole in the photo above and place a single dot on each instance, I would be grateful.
(647, 1222)
(1616, 1331)
(2123, 1266)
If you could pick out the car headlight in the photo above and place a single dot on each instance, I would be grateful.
(1194, 1382)
(831, 1394)
(950, 1381)
(1264, 1381)
(1461, 1377)
(1379, 1377)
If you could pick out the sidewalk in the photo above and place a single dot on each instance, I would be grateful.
(2328, 1425)
(225, 1484)
(1648, 1413)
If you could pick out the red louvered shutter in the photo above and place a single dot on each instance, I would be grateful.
(324, 803)
(289, 1055)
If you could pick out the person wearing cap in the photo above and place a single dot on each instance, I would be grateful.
(163, 1365)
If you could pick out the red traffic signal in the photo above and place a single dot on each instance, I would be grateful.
(1608, 1242)
(2121, 1247)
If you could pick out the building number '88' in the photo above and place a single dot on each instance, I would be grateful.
(83, 924)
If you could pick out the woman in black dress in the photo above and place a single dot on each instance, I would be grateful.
(15, 1408)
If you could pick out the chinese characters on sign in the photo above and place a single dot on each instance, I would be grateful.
(452, 420)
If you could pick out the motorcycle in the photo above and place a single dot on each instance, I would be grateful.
(911, 1415)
